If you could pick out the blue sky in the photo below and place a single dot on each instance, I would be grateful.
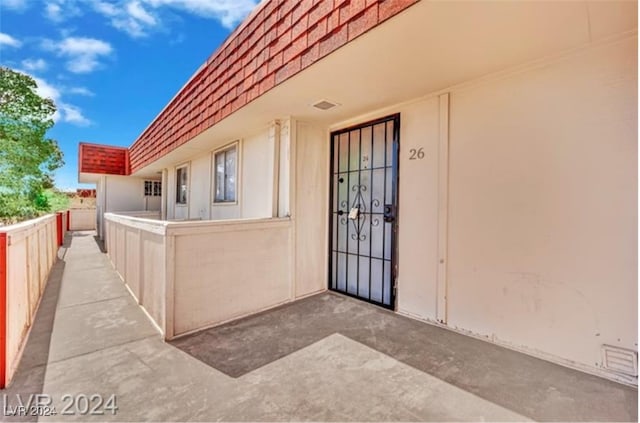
(110, 65)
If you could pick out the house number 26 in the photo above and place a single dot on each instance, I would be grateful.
(416, 154)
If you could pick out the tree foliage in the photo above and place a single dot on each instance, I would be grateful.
(27, 157)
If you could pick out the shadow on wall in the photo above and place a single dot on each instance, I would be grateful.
(29, 377)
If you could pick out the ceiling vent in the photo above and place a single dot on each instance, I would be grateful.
(324, 105)
(620, 360)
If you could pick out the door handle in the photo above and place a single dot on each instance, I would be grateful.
(389, 213)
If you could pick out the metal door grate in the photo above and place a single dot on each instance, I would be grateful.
(364, 194)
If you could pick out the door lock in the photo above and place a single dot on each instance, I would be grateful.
(389, 213)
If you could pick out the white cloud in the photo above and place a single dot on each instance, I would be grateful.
(46, 90)
(228, 12)
(15, 4)
(34, 65)
(83, 54)
(138, 17)
(8, 40)
(72, 114)
(129, 25)
(107, 9)
(60, 10)
(65, 112)
(138, 12)
(132, 17)
(80, 91)
(53, 11)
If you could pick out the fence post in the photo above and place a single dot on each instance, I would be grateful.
(68, 220)
(59, 227)
(3, 309)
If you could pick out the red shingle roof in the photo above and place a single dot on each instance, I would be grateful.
(86, 193)
(104, 159)
(277, 41)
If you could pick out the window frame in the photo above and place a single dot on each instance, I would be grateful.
(153, 183)
(234, 145)
(185, 168)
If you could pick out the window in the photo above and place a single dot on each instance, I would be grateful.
(152, 188)
(225, 175)
(181, 185)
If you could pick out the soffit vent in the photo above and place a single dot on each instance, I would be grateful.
(324, 105)
(620, 360)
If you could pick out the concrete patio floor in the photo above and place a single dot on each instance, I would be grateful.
(325, 358)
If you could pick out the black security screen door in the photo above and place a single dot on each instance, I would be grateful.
(364, 198)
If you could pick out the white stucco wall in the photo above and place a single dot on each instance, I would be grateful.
(257, 184)
(256, 181)
(538, 237)
(418, 211)
(200, 188)
(543, 205)
(100, 206)
(310, 213)
(174, 211)
(124, 193)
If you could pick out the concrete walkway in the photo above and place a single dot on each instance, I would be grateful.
(91, 338)
(85, 311)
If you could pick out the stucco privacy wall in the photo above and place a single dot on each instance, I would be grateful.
(137, 248)
(183, 289)
(246, 269)
(82, 219)
(154, 215)
(190, 275)
(30, 252)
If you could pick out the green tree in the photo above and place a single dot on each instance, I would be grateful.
(27, 156)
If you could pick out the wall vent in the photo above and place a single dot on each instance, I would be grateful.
(324, 105)
(620, 360)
